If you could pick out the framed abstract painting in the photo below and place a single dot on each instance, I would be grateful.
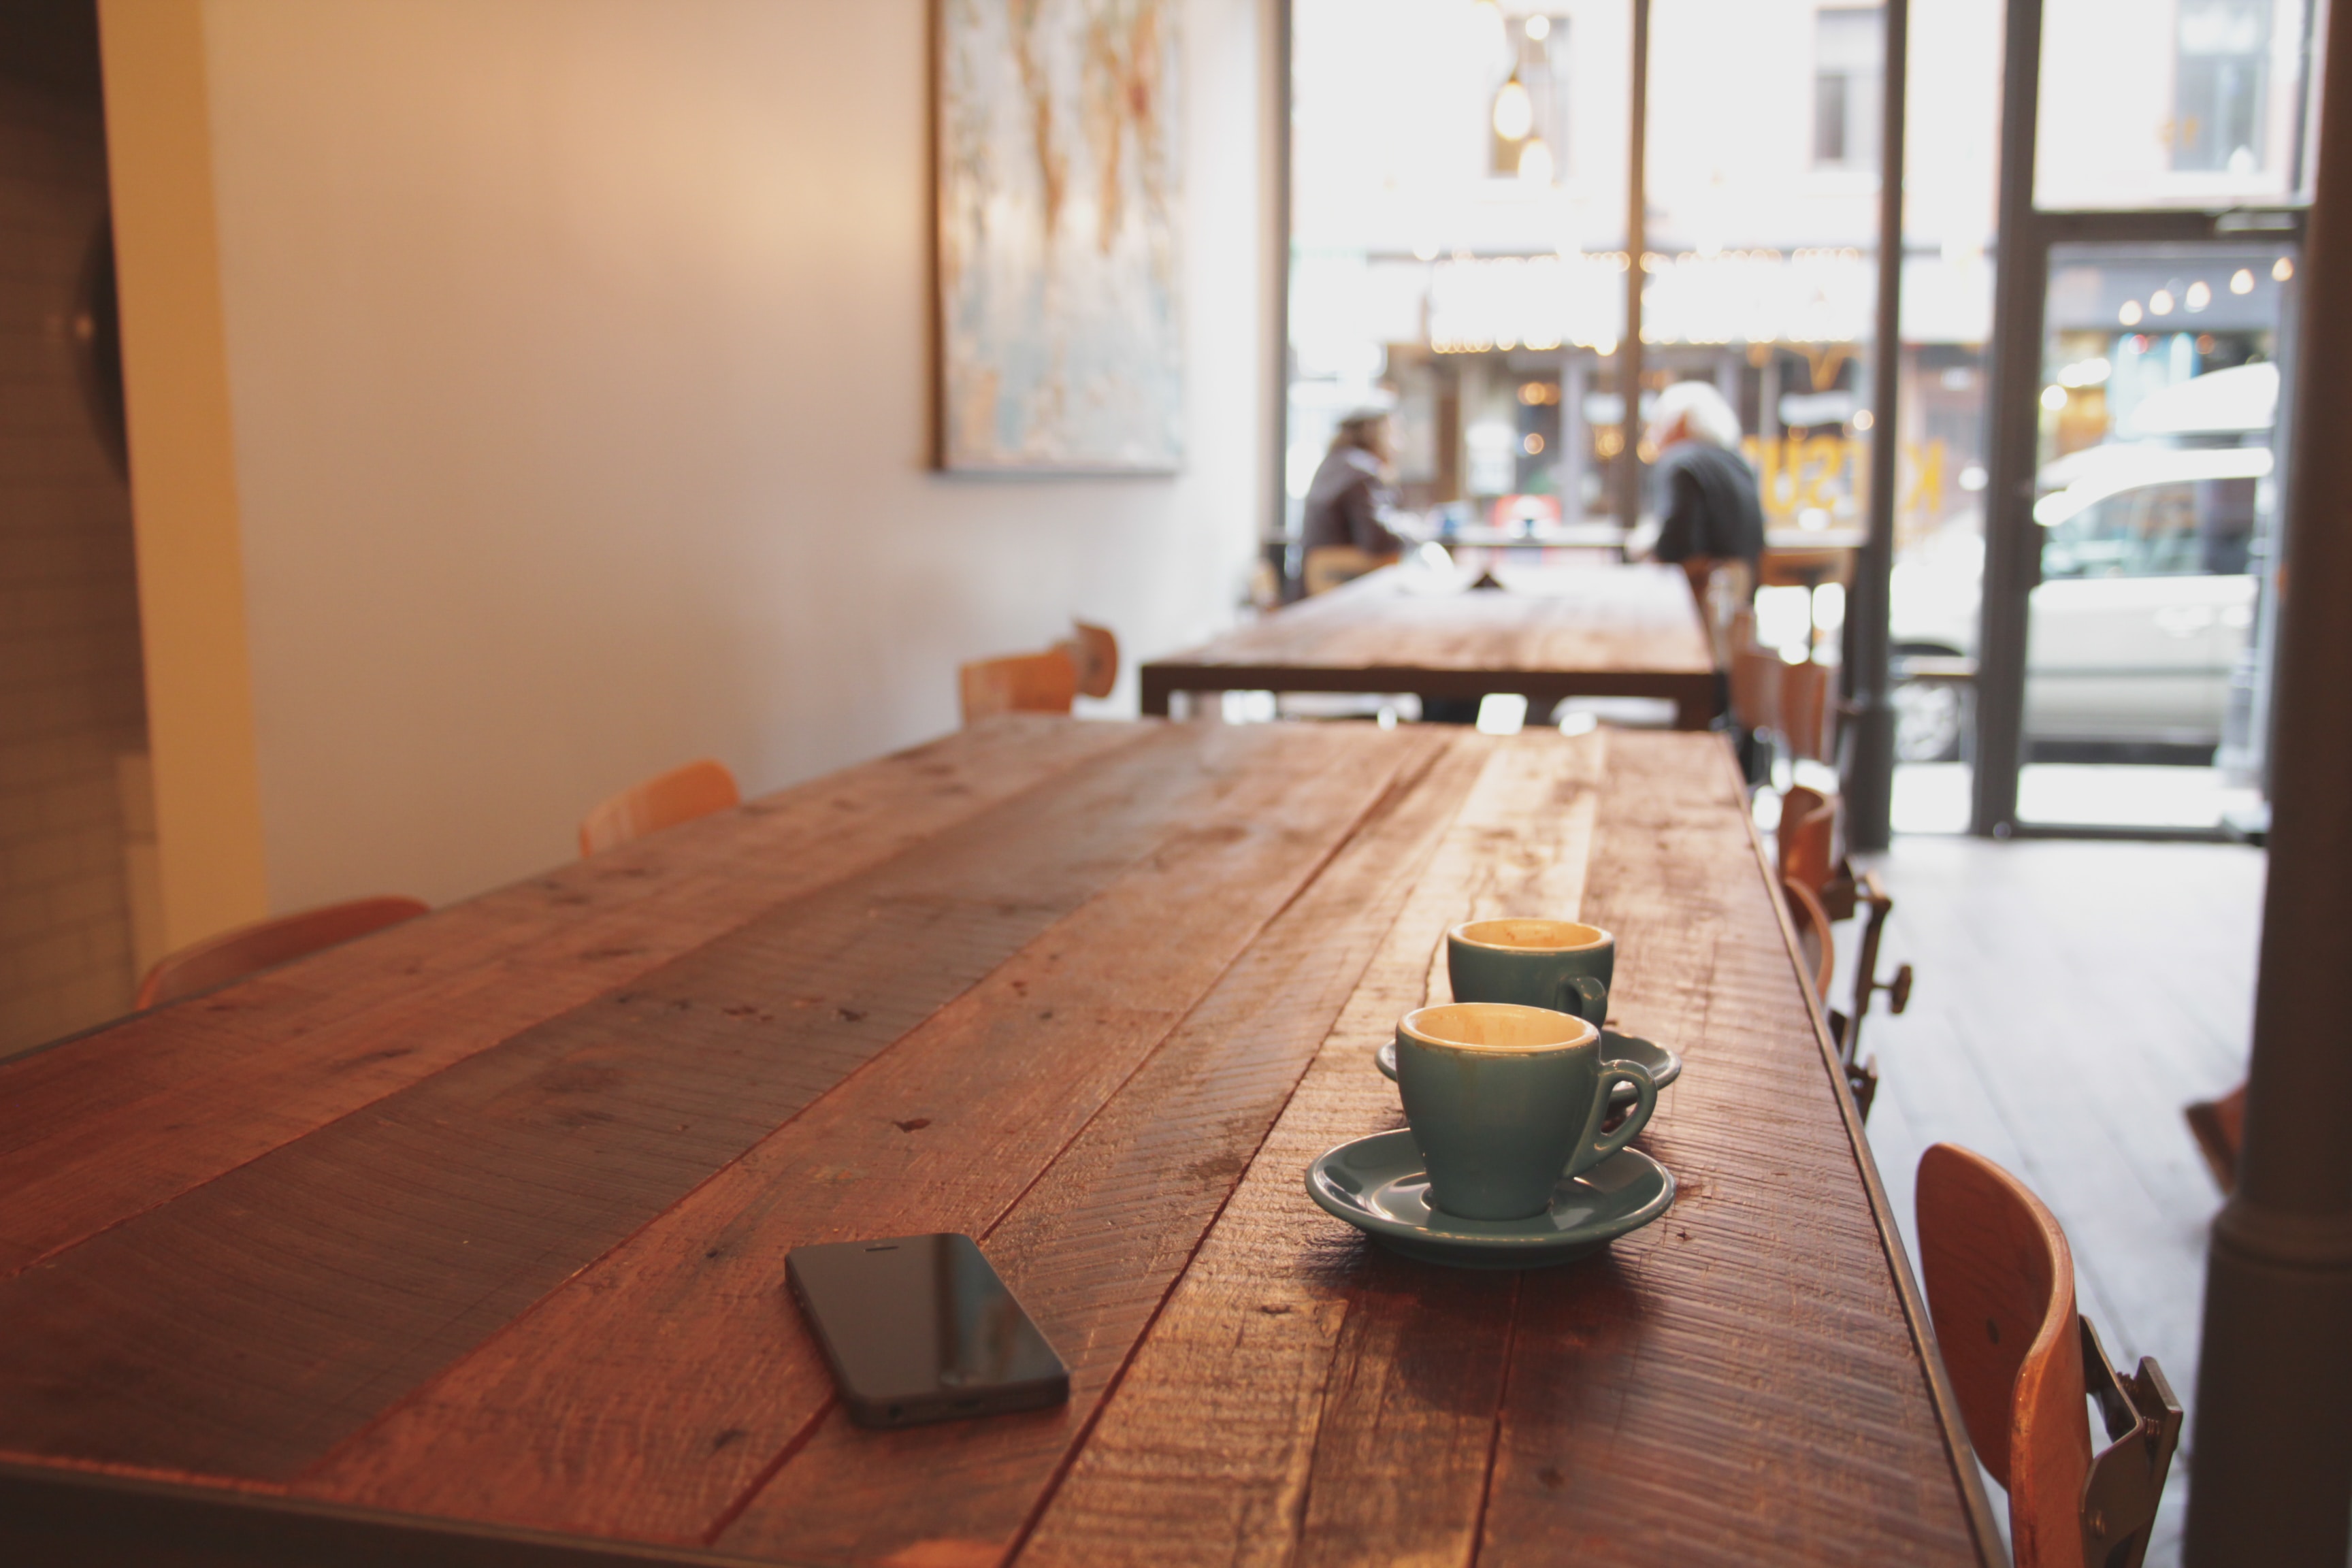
(1059, 259)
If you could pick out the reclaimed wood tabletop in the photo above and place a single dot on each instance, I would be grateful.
(464, 1243)
(1598, 630)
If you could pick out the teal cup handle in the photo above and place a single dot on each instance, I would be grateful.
(1586, 996)
(1595, 1146)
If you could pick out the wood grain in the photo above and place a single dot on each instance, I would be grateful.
(1737, 1383)
(2001, 1283)
(678, 1366)
(1616, 631)
(110, 1124)
(1094, 1248)
(1206, 1453)
(1101, 1012)
(283, 1304)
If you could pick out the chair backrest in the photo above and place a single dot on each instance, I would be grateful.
(1329, 566)
(264, 944)
(1025, 683)
(1813, 941)
(1806, 837)
(1778, 568)
(1806, 710)
(1755, 688)
(1095, 651)
(2001, 1290)
(681, 795)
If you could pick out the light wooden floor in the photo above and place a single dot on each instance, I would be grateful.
(2071, 998)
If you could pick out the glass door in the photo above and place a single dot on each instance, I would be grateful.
(2156, 159)
(2154, 494)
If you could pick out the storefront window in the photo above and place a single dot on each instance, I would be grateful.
(2155, 103)
(2219, 80)
(1438, 275)
(1849, 54)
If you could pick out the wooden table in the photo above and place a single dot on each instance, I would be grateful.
(465, 1244)
(1586, 631)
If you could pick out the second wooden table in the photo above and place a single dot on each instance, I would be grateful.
(1589, 631)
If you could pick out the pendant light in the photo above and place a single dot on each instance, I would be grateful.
(1515, 111)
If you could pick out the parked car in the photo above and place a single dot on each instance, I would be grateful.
(2145, 601)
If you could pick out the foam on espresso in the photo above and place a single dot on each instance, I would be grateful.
(1498, 1026)
(1530, 936)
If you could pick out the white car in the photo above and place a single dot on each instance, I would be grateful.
(2145, 601)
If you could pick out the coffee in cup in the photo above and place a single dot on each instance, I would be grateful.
(1504, 1101)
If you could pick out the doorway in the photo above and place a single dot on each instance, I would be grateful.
(2144, 319)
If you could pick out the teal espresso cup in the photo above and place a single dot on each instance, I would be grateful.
(1505, 1103)
(1558, 964)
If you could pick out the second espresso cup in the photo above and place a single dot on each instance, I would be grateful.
(1561, 965)
(1504, 1101)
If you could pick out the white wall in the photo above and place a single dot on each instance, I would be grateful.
(579, 366)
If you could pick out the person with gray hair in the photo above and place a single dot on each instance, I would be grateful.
(1709, 513)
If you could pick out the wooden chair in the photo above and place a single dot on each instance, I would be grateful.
(1094, 651)
(1812, 855)
(1756, 689)
(681, 795)
(2001, 1290)
(1806, 837)
(1814, 938)
(1808, 715)
(1025, 683)
(1812, 850)
(1329, 566)
(2220, 1128)
(264, 944)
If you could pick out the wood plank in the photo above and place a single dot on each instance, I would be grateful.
(272, 1311)
(110, 1124)
(1742, 1375)
(1738, 1384)
(1094, 1248)
(1295, 1465)
(1592, 618)
(1213, 1448)
(650, 1396)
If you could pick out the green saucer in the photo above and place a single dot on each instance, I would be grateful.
(1379, 1185)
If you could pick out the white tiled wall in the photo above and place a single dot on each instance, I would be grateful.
(70, 694)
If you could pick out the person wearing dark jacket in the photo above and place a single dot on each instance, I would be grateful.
(1710, 516)
(1349, 490)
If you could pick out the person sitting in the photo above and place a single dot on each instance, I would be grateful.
(1710, 516)
(1347, 502)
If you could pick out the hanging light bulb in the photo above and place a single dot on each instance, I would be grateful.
(1515, 111)
(1535, 163)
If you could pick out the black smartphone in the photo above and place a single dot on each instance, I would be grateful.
(920, 1327)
